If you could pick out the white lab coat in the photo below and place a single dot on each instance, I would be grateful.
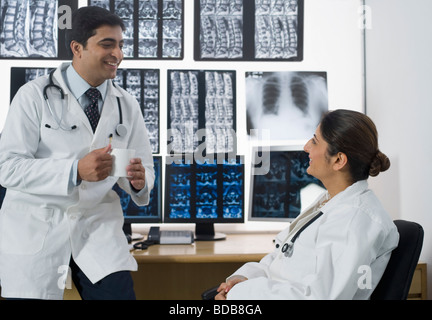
(341, 255)
(43, 220)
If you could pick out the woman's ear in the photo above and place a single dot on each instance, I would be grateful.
(341, 161)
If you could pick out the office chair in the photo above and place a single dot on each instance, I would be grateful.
(396, 280)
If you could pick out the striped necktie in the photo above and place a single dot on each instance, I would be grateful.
(92, 110)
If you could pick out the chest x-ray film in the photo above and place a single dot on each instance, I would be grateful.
(288, 104)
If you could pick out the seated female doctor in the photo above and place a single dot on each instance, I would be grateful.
(343, 253)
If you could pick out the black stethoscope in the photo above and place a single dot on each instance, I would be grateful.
(120, 130)
(288, 248)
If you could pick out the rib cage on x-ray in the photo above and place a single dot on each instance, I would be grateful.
(289, 104)
(271, 93)
(201, 100)
(28, 28)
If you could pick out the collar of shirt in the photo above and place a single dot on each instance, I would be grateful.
(78, 86)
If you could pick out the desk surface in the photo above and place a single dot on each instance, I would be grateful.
(235, 248)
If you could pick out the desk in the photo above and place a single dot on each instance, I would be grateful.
(183, 272)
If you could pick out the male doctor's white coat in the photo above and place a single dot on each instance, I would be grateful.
(43, 220)
(341, 255)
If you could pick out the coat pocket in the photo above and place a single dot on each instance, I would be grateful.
(23, 228)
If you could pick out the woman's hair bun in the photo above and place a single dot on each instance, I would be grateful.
(379, 164)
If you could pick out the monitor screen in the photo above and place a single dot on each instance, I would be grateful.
(152, 213)
(204, 192)
(280, 186)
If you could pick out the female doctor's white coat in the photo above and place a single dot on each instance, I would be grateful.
(341, 255)
(43, 221)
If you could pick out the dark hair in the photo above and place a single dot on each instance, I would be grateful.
(354, 134)
(86, 20)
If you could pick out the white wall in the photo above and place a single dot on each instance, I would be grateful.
(399, 100)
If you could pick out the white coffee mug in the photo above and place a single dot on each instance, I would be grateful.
(121, 159)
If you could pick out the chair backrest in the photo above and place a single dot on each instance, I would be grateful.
(396, 280)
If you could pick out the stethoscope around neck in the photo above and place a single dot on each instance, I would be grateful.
(120, 130)
(288, 247)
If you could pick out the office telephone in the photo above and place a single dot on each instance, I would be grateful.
(156, 236)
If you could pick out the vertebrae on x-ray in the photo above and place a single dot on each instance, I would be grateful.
(221, 29)
(275, 29)
(28, 28)
(219, 111)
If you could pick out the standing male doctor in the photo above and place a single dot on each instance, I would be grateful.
(55, 161)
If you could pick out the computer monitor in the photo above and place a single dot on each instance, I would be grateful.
(280, 187)
(204, 192)
(152, 213)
